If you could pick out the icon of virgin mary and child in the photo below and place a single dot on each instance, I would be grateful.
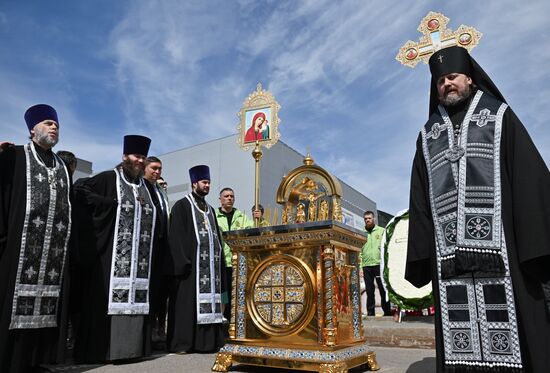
(258, 130)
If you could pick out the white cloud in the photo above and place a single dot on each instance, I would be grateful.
(183, 69)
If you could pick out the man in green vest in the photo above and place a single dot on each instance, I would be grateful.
(230, 219)
(370, 261)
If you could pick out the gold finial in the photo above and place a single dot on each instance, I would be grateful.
(436, 36)
(308, 161)
(259, 87)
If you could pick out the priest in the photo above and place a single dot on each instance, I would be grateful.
(119, 214)
(479, 225)
(195, 266)
(35, 225)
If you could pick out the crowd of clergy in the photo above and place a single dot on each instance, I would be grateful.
(88, 268)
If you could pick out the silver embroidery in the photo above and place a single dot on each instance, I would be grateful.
(132, 249)
(470, 337)
(43, 248)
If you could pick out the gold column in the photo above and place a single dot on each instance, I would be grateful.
(329, 331)
(257, 154)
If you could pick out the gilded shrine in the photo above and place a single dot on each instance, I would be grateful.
(296, 287)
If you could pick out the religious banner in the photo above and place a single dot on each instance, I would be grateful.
(259, 120)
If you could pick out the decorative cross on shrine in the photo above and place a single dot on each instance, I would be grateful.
(216, 256)
(127, 206)
(436, 36)
(217, 280)
(53, 274)
(205, 279)
(143, 264)
(126, 234)
(203, 232)
(483, 117)
(147, 209)
(38, 222)
(40, 177)
(204, 255)
(62, 183)
(60, 226)
(30, 272)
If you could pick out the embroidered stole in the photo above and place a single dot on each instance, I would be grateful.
(208, 264)
(477, 300)
(46, 231)
(132, 246)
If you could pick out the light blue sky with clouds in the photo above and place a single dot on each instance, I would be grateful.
(179, 71)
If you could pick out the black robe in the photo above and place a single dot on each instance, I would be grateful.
(102, 337)
(159, 280)
(20, 349)
(184, 334)
(525, 205)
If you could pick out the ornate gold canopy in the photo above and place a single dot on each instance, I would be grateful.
(436, 36)
(309, 193)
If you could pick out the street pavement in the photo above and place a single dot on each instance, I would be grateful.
(390, 359)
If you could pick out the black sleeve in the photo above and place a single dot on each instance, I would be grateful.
(178, 260)
(421, 242)
(7, 163)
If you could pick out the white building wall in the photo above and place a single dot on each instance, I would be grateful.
(232, 167)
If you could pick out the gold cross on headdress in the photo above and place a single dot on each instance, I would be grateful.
(436, 36)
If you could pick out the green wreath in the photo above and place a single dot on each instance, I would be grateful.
(395, 298)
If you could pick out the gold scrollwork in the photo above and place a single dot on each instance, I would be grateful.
(328, 253)
(371, 361)
(280, 295)
(223, 362)
(329, 335)
(333, 368)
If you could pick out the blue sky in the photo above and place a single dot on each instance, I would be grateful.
(179, 71)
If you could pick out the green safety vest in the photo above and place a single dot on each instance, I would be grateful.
(239, 221)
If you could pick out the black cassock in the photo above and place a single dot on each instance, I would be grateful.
(184, 334)
(525, 214)
(102, 337)
(20, 348)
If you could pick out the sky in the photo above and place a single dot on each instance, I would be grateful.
(179, 71)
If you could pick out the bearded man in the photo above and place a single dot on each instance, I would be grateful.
(119, 214)
(195, 266)
(478, 225)
(35, 224)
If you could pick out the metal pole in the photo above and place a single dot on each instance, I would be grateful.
(257, 154)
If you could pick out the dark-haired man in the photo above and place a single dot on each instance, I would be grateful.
(69, 159)
(370, 261)
(35, 225)
(159, 281)
(121, 215)
(229, 218)
(479, 225)
(195, 265)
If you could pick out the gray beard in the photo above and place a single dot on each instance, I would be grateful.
(455, 99)
(42, 139)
